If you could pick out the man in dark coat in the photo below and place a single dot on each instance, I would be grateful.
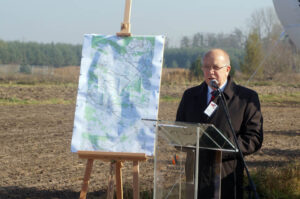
(246, 118)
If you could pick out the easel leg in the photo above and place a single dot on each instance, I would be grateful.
(119, 180)
(136, 191)
(111, 180)
(87, 175)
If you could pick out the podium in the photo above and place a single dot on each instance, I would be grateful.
(177, 150)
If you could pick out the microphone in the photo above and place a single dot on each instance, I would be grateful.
(214, 84)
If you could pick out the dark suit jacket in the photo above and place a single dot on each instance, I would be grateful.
(247, 121)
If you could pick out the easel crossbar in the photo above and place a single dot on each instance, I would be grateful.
(117, 156)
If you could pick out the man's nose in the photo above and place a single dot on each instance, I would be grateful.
(211, 70)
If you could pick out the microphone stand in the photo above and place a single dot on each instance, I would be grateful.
(251, 183)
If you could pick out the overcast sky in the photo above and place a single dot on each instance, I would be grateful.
(68, 20)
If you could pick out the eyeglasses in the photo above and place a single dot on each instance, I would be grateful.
(214, 67)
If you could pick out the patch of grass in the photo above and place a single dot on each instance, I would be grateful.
(46, 85)
(17, 101)
(168, 98)
(294, 85)
(273, 83)
(261, 83)
(293, 98)
(278, 183)
(128, 192)
(281, 98)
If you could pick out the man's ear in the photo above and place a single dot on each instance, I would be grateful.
(228, 68)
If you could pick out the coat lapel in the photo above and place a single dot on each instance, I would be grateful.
(201, 98)
(220, 112)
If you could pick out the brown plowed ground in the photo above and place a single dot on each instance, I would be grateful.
(35, 157)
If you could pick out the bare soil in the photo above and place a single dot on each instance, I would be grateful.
(35, 157)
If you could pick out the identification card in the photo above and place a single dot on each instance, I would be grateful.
(212, 107)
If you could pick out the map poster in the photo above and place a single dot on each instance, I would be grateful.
(118, 86)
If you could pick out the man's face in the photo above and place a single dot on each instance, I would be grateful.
(215, 66)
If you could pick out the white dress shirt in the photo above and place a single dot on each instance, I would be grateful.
(209, 90)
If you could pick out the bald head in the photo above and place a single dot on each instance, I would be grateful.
(216, 65)
(217, 52)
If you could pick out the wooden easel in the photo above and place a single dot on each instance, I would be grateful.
(125, 26)
(116, 158)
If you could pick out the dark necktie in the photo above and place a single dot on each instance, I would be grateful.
(212, 97)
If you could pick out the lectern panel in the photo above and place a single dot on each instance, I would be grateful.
(177, 150)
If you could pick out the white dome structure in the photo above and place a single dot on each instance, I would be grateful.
(288, 12)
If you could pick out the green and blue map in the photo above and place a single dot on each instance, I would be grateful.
(118, 87)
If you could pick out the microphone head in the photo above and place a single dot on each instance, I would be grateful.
(214, 84)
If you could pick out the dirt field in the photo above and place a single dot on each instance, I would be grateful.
(35, 136)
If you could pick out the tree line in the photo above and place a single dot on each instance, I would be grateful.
(39, 54)
(260, 51)
(191, 48)
(59, 55)
(268, 49)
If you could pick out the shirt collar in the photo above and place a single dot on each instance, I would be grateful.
(221, 88)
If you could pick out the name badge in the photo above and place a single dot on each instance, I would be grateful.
(212, 107)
